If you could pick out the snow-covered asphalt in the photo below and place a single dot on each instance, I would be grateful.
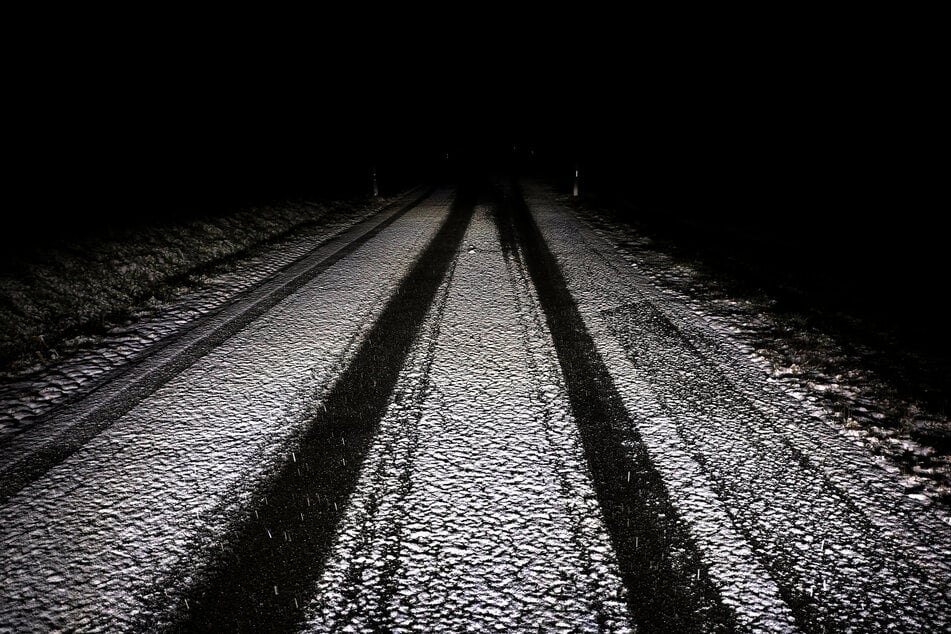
(799, 528)
(104, 534)
(480, 418)
(474, 509)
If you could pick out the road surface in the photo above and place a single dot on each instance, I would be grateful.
(468, 414)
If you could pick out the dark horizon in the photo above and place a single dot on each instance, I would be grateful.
(816, 172)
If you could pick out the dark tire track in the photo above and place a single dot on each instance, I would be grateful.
(108, 407)
(412, 399)
(272, 563)
(518, 276)
(839, 519)
(659, 563)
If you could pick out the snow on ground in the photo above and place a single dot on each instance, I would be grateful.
(474, 510)
(474, 506)
(784, 508)
(208, 263)
(93, 541)
(826, 371)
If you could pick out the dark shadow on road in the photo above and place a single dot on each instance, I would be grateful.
(94, 419)
(273, 562)
(659, 562)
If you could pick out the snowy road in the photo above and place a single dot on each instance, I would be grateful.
(791, 519)
(474, 508)
(479, 418)
(103, 535)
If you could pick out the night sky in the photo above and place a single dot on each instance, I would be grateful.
(782, 151)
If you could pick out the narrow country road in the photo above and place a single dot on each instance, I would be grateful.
(474, 509)
(471, 414)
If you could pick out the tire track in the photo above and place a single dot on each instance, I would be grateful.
(273, 562)
(661, 567)
(485, 518)
(813, 514)
(113, 537)
(58, 435)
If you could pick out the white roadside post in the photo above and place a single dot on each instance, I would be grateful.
(575, 190)
(376, 188)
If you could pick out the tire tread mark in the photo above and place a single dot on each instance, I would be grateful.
(659, 562)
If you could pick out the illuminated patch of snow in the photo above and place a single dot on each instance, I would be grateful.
(27, 395)
(158, 490)
(474, 510)
(744, 452)
(802, 357)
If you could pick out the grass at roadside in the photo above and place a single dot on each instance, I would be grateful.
(70, 290)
